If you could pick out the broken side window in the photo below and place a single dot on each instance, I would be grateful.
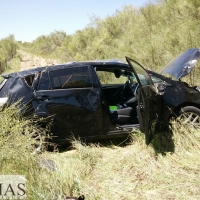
(29, 79)
(78, 77)
(44, 81)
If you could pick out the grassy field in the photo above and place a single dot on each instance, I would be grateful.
(166, 169)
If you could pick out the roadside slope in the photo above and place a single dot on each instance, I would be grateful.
(29, 61)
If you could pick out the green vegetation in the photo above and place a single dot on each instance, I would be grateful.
(19, 139)
(8, 51)
(153, 34)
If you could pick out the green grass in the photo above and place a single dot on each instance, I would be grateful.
(13, 65)
(104, 171)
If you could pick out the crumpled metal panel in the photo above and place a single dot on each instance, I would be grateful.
(75, 112)
(19, 91)
(183, 64)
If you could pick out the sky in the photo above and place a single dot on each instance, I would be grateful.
(28, 19)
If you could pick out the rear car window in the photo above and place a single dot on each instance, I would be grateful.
(44, 81)
(77, 77)
(29, 79)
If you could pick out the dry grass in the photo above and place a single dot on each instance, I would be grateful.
(135, 171)
(166, 169)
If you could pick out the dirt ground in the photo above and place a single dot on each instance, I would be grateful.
(30, 61)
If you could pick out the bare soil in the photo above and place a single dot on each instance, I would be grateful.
(29, 61)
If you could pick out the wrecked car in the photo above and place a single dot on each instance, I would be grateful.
(181, 99)
(106, 98)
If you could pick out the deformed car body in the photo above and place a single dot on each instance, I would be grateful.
(180, 98)
(102, 99)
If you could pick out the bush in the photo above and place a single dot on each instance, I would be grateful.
(8, 50)
(17, 140)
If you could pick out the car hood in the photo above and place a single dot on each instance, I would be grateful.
(183, 64)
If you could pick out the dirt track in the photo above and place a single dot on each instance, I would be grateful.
(30, 61)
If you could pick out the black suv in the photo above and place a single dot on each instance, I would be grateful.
(97, 99)
(92, 100)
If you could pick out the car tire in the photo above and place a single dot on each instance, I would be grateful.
(189, 115)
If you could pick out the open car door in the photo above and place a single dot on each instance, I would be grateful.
(150, 102)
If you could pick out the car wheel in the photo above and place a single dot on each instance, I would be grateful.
(189, 115)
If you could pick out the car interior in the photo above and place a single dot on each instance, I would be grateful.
(120, 95)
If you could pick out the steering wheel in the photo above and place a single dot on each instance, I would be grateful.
(129, 92)
(126, 90)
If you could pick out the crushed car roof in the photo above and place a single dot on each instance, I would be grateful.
(69, 64)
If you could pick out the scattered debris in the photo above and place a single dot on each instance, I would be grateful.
(46, 163)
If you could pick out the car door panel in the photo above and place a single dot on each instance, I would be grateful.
(149, 110)
(150, 102)
(71, 99)
(75, 112)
